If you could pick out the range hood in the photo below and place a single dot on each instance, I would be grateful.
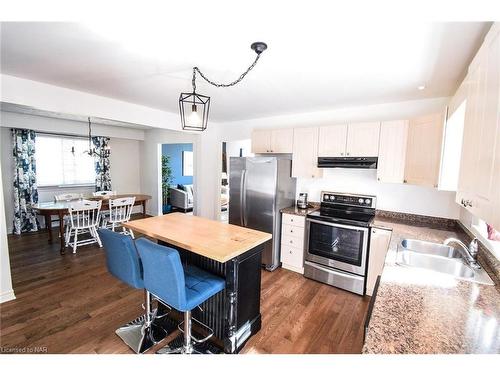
(353, 162)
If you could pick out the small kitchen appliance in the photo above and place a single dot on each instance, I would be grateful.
(302, 201)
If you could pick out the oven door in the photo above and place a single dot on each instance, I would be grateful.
(339, 246)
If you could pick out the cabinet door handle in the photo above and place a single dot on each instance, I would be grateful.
(405, 182)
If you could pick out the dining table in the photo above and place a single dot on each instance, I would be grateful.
(61, 209)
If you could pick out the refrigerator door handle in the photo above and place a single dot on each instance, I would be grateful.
(242, 197)
(244, 219)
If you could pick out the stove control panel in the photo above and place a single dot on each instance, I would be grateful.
(348, 199)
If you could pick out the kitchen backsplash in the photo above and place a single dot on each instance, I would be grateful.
(390, 197)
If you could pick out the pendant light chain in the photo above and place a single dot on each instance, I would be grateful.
(195, 69)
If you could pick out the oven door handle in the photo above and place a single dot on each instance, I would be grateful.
(365, 229)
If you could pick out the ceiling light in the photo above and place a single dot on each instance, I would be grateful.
(194, 107)
(421, 87)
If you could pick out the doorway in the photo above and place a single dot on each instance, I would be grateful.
(240, 148)
(177, 191)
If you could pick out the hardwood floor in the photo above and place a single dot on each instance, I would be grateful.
(70, 304)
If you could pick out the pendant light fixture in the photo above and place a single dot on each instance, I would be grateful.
(194, 107)
(105, 152)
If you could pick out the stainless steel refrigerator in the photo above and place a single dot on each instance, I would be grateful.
(259, 187)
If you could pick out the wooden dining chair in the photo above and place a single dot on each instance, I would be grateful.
(104, 193)
(84, 218)
(120, 210)
(63, 198)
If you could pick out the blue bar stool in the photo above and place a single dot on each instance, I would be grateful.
(122, 261)
(183, 289)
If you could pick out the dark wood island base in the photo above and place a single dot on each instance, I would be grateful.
(234, 313)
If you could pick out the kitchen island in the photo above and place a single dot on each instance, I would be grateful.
(229, 251)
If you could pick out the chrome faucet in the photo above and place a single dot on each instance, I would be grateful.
(468, 253)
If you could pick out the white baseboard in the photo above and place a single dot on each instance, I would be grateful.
(7, 296)
(293, 268)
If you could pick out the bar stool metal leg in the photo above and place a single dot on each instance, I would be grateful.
(142, 333)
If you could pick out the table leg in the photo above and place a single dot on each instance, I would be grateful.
(61, 231)
(48, 226)
(144, 209)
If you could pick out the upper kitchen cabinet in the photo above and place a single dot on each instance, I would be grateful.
(261, 141)
(276, 141)
(363, 139)
(423, 153)
(332, 140)
(392, 152)
(305, 153)
(478, 182)
(282, 141)
(346, 140)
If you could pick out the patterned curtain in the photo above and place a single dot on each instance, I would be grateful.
(102, 164)
(25, 189)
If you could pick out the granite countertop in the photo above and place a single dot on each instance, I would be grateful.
(419, 311)
(294, 210)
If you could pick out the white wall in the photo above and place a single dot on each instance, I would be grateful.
(387, 111)
(6, 292)
(61, 100)
(124, 159)
(394, 197)
(391, 197)
(62, 126)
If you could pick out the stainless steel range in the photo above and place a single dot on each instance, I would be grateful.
(337, 240)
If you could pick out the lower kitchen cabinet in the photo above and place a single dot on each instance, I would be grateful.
(292, 242)
(379, 245)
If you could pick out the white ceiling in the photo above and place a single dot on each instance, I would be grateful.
(311, 64)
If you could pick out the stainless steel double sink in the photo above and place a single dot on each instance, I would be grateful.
(440, 258)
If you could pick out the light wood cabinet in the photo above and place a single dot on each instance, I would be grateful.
(282, 141)
(261, 141)
(332, 140)
(379, 245)
(423, 153)
(478, 186)
(275, 141)
(292, 242)
(392, 151)
(363, 139)
(305, 153)
(349, 140)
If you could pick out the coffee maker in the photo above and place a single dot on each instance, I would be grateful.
(302, 201)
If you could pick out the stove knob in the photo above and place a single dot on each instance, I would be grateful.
(326, 197)
(360, 200)
(367, 201)
(332, 197)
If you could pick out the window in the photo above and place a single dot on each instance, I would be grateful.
(452, 150)
(57, 165)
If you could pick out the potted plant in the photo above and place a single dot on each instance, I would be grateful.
(166, 179)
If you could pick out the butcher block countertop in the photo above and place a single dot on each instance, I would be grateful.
(209, 238)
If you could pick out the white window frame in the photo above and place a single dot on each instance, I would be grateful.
(49, 187)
